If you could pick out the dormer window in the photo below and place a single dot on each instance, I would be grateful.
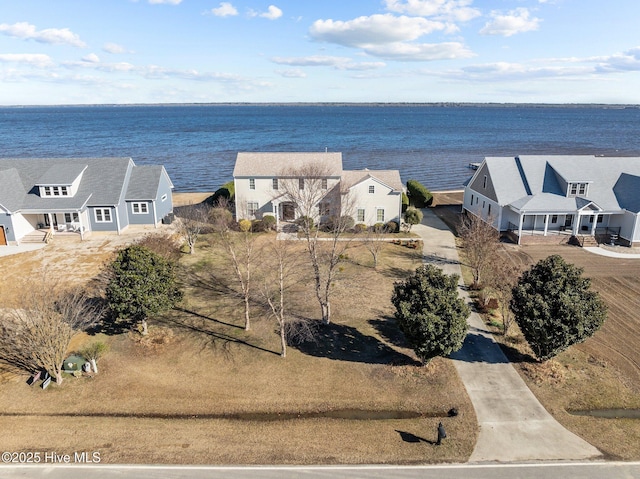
(578, 189)
(50, 191)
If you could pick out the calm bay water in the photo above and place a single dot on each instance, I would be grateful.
(198, 144)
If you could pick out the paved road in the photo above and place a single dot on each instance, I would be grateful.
(513, 424)
(593, 470)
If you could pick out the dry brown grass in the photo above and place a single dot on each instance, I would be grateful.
(177, 401)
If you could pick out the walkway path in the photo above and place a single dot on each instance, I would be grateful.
(513, 424)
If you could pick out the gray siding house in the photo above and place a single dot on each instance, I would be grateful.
(79, 195)
(546, 195)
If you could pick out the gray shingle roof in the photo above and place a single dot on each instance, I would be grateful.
(542, 176)
(390, 178)
(275, 164)
(144, 181)
(61, 174)
(102, 182)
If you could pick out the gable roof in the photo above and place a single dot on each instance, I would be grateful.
(144, 182)
(536, 182)
(102, 182)
(275, 164)
(389, 178)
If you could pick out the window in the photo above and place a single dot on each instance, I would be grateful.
(164, 197)
(574, 189)
(140, 208)
(471, 199)
(56, 191)
(578, 189)
(252, 183)
(274, 183)
(323, 183)
(568, 220)
(582, 189)
(69, 216)
(554, 219)
(484, 183)
(489, 210)
(301, 183)
(103, 215)
(361, 215)
(380, 215)
(252, 208)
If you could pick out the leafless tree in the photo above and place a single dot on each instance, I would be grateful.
(35, 335)
(480, 241)
(280, 278)
(315, 200)
(500, 278)
(192, 221)
(240, 247)
(374, 241)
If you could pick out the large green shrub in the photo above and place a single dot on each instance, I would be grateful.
(430, 313)
(226, 191)
(413, 216)
(405, 202)
(269, 222)
(554, 307)
(419, 195)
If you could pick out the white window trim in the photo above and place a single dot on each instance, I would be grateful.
(364, 215)
(383, 215)
(252, 183)
(140, 206)
(103, 215)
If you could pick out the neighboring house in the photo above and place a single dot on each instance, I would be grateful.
(262, 179)
(79, 195)
(555, 195)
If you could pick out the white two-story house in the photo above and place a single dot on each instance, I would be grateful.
(277, 184)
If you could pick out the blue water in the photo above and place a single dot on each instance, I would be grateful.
(198, 144)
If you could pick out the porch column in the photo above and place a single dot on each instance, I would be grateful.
(576, 225)
(593, 226)
(50, 222)
(546, 224)
(520, 227)
(81, 225)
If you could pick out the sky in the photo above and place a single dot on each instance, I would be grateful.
(208, 51)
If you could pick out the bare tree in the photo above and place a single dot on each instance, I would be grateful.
(374, 241)
(480, 241)
(316, 201)
(241, 252)
(192, 221)
(279, 280)
(500, 278)
(36, 334)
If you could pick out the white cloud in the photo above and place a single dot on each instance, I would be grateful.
(34, 59)
(114, 48)
(420, 52)
(297, 73)
(49, 35)
(620, 62)
(225, 9)
(454, 10)
(375, 29)
(91, 58)
(339, 63)
(516, 21)
(272, 13)
(165, 2)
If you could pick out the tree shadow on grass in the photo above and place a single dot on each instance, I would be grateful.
(409, 437)
(388, 329)
(346, 343)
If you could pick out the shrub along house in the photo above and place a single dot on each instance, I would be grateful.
(373, 196)
(540, 196)
(79, 195)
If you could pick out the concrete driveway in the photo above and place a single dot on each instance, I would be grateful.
(513, 424)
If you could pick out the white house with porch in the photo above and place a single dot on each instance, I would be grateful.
(573, 195)
(262, 179)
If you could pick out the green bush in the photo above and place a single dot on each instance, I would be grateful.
(405, 201)
(257, 226)
(378, 228)
(226, 191)
(360, 228)
(220, 218)
(244, 225)
(392, 227)
(419, 195)
(269, 222)
(347, 222)
(412, 216)
(305, 222)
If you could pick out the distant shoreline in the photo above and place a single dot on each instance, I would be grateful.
(618, 106)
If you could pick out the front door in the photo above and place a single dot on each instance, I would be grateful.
(47, 221)
(3, 237)
(288, 211)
